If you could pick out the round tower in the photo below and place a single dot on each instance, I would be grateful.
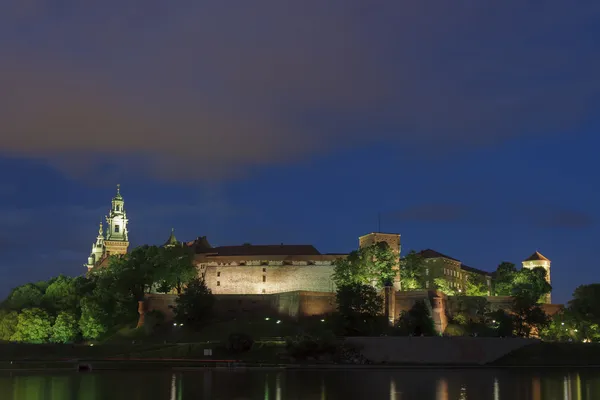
(538, 260)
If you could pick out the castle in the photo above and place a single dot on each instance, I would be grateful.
(278, 269)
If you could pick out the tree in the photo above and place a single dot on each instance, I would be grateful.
(531, 283)
(65, 328)
(372, 265)
(177, 269)
(528, 315)
(62, 294)
(94, 320)
(445, 286)
(417, 321)
(585, 305)
(504, 279)
(8, 324)
(34, 325)
(476, 285)
(501, 322)
(358, 300)
(360, 307)
(194, 305)
(411, 271)
(25, 296)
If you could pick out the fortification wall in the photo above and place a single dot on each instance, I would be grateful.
(436, 350)
(291, 304)
(263, 279)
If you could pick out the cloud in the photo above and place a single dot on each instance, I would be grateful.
(541, 216)
(209, 89)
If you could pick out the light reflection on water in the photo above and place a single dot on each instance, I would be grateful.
(370, 384)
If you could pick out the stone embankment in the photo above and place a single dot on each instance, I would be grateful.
(436, 350)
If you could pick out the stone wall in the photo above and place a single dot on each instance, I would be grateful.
(436, 350)
(291, 304)
(263, 279)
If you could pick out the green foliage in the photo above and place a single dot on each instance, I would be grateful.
(504, 279)
(372, 265)
(94, 320)
(455, 329)
(501, 322)
(239, 343)
(25, 296)
(417, 321)
(34, 325)
(177, 269)
(528, 315)
(585, 305)
(411, 271)
(531, 284)
(62, 294)
(302, 347)
(194, 305)
(8, 324)
(358, 300)
(445, 287)
(476, 285)
(65, 328)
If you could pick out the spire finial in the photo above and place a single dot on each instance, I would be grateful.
(118, 188)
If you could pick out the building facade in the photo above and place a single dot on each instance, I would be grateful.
(274, 269)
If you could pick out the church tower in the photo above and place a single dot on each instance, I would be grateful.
(117, 237)
(538, 260)
(98, 250)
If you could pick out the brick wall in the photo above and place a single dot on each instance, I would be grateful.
(268, 279)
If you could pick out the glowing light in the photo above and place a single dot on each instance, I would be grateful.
(91, 345)
(174, 324)
(493, 321)
(266, 319)
(278, 321)
(562, 323)
(322, 320)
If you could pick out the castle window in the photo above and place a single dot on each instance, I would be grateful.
(426, 271)
(264, 291)
(264, 270)
(218, 283)
(264, 278)
(218, 273)
(116, 228)
(427, 284)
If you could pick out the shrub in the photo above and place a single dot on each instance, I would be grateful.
(305, 346)
(455, 330)
(239, 342)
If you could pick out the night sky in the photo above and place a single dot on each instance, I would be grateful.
(470, 126)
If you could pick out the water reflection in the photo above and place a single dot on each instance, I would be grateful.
(404, 384)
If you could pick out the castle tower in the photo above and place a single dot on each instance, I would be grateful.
(538, 260)
(98, 250)
(393, 240)
(172, 240)
(117, 239)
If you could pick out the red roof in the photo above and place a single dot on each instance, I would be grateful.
(537, 256)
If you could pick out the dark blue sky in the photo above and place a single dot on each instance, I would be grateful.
(471, 128)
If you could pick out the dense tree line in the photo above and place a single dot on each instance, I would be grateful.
(65, 309)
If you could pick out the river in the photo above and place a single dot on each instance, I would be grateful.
(368, 384)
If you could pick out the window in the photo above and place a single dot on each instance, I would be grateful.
(218, 273)
(264, 270)
(264, 291)
(264, 278)
(117, 228)
(426, 271)
(218, 283)
(426, 284)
